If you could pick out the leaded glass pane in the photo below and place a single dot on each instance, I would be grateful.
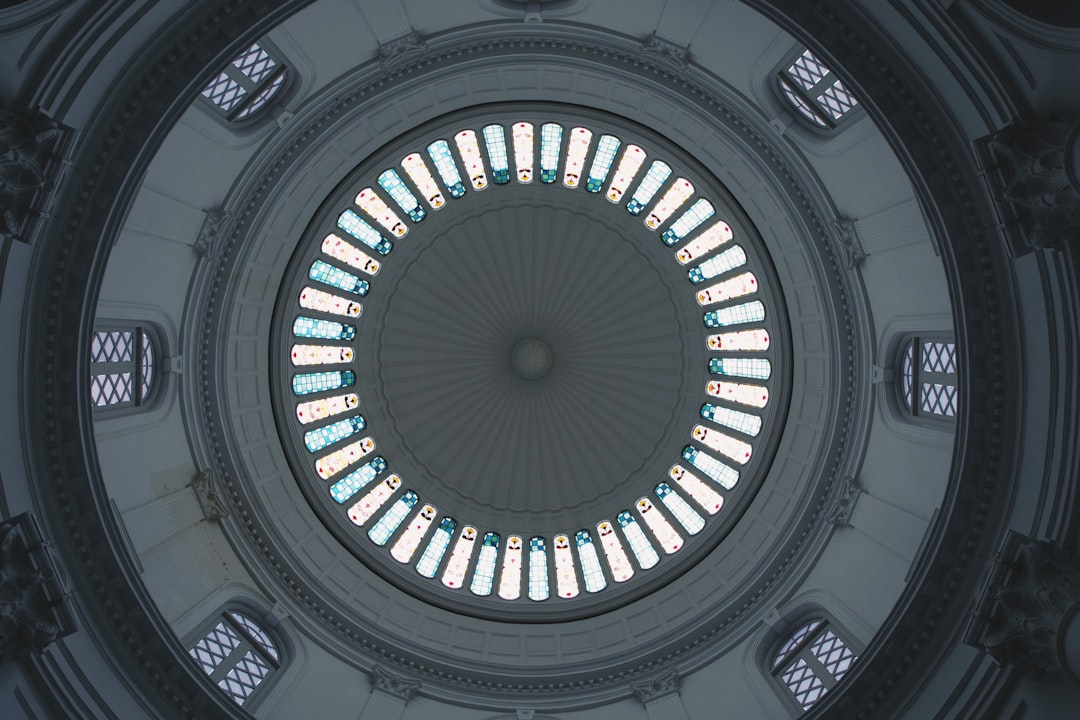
(312, 410)
(717, 234)
(698, 213)
(725, 476)
(577, 148)
(590, 562)
(538, 571)
(566, 583)
(400, 193)
(717, 265)
(429, 561)
(710, 500)
(721, 442)
(484, 575)
(643, 550)
(334, 462)
(735, 419)
(679, 192)
(510, 579)
(343, 490)
(470, 156)
(384, 528)
(458, 564)
(665, 534)
(680, 509)
(656, 176)
(618, 562)
(606, 148)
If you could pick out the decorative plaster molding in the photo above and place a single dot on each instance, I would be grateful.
(33, 612)
(210, 500)
(1031, 587)
(399, 50)
(846, 498)
(664, 50)
(210, 233)
(850, 244)
(398, 686)
(32, 149)
(656, 688)
(1035, 180)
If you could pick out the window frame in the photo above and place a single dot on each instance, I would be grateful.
(912, 410)
(234, 118)
(144, 394)
(803, 650)
(783, 82)
(248, 643)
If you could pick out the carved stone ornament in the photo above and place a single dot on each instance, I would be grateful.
(31, 161)
(1031, 587)
(210, 232)
(850, 244)
(847, 498)
(397, 685)
(661, 49)
(210, 500)
(1034, 176)
(660, 686)
(401, 49)
(32, 608)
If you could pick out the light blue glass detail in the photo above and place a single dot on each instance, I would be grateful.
(718, 471)
(307, 383)
(639, 544)
(381, 531)
(658, 173)
(735, 419)
(538, 570)
(686, 515)
(698, 213)
(307, 327)
(355, 225)
(736, 315)
(495, 139)
(327, 274)
(446, 167)
(753, 368)
(730, 259)
(606, 148)
(550, 143)
(319, 438)
(396, 188)
(484, 575)
(355, 481)
(428, 564)
(590, 562)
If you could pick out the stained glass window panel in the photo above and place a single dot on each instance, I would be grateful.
(577, 148)
(523, 151)
(381, 532)
(689, 221)
(632, 160)
(753, 368)
(429, 562)
(725, 476)
(679, 192)
(307, 327)
(643, 550)
(343, 490)
(550, 143)
(319, 438)
(414, 532)
(656, 176)
(307, 383)
(356, 226)
(736, 287)
(414, 166)
(618, 562)
(470, 155)
(440, 154)
(715, 236)
(334, 462)
(710, 500)
(721, 442)
(753, 311)
(665, 534)
(495, 141)
(362, 511)
(590, 562)
(510, 578)
(742, 393)
(327, 274)
(320, 354)
(755, 340)
(314, 299)
(458, 564)
(566, 583)
(484, 575)
(346, 252)
(735, 419)
(538, 570)
(687, 516)
(606, 148)
(312, 410)
(717, 265)
(369, 201)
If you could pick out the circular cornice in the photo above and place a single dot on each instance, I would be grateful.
(809, 457)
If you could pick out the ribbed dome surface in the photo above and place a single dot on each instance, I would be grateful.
(479, 306)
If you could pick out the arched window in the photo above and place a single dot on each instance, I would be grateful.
(248, 84)
(811, 661)
(238, 654)
(123, 367)
(926, 378)
(815, 92)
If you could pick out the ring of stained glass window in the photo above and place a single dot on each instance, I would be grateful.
(451, 544)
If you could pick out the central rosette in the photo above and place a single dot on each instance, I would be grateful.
(531, 360)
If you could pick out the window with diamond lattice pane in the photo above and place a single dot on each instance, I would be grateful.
(248, 84)
(815, 92)
(927, 379)
(123, 368)
(811, 661)
(238, 655)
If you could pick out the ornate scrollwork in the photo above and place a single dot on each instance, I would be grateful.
(397, 685)
(32, 608)
(210, 499)
(29, 168)
(1035, 181)
(661, 49)
(656, 688)
(401, 49)
(1031, 588)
